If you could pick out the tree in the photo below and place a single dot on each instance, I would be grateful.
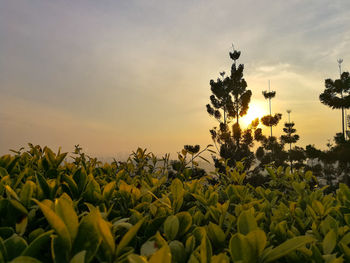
(230, 101)
(289, 137)
(337, 94)
(270, 120)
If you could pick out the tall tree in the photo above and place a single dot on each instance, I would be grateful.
(270, 120)
(289, 136)
(230, 101)
(337, 94)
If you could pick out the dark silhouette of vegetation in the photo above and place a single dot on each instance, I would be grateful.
(337, 95)
(270, 120)
(229, 102)
(289, 138)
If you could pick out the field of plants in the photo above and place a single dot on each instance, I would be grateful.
(61, 208)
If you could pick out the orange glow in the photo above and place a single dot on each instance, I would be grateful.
(254, 111)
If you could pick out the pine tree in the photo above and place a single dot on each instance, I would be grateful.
(229, 102)
(290, 136)
(337, 94)
(270, 120)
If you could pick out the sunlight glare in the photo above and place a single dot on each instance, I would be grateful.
(254, 111)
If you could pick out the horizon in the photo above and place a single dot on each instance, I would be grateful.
(115, 76)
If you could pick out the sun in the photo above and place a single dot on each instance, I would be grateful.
(254, 111)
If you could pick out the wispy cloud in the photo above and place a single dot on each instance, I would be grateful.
(139, 70)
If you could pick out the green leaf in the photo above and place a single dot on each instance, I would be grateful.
(24, 259)
(108, 191)
(106, 234)
(36, 246)
(19, 207)
(65, 210)
(216, 234)
(72, 185)
(257, 240)
(185, 221)
(162, 255)
(329, 242)
(79, 258)
(246, 222)
(27, 192)
(240, 248)
(287, 247)
(129, 236)
(88, 237)
(177, 250)
(171, 227)
(177, 189)
(221, 258)
(133, 258)
(56, 223)
(22, 225)
(14, 246)
(205, 250)
(11, 193)
(45, 188)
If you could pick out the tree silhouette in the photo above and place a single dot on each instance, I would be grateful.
(289, 137)
(230, 101)
(337, 95)
(270, 120)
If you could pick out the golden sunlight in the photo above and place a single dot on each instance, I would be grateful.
(254, 111)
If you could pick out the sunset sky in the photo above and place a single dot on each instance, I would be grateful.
(116, 75)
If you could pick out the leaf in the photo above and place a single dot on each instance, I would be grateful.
(22, 225)
(177, 250)
(205, 250)
(43, 185)
(129, 236)
(24, 259)
(36, 246)
(72, 185)
(257, 239)
(11, 193)
(14, 246)
(56, 223)
(19, 207)
(287, 247)
(106, 234)
(329, 242)
(216, 234)
(162, 255)
(177, 189)
(108, 191)
(88, 237)
(65, 210)
(133, 258)
(27, 192)
(171, 227)
(185, 221)
(79, 257)
(221, 258)
(246, 222)
(240, 248)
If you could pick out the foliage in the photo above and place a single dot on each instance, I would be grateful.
(53, 210)
(337, 95)
(229, 101)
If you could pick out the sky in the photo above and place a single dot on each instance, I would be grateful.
(112, 76)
